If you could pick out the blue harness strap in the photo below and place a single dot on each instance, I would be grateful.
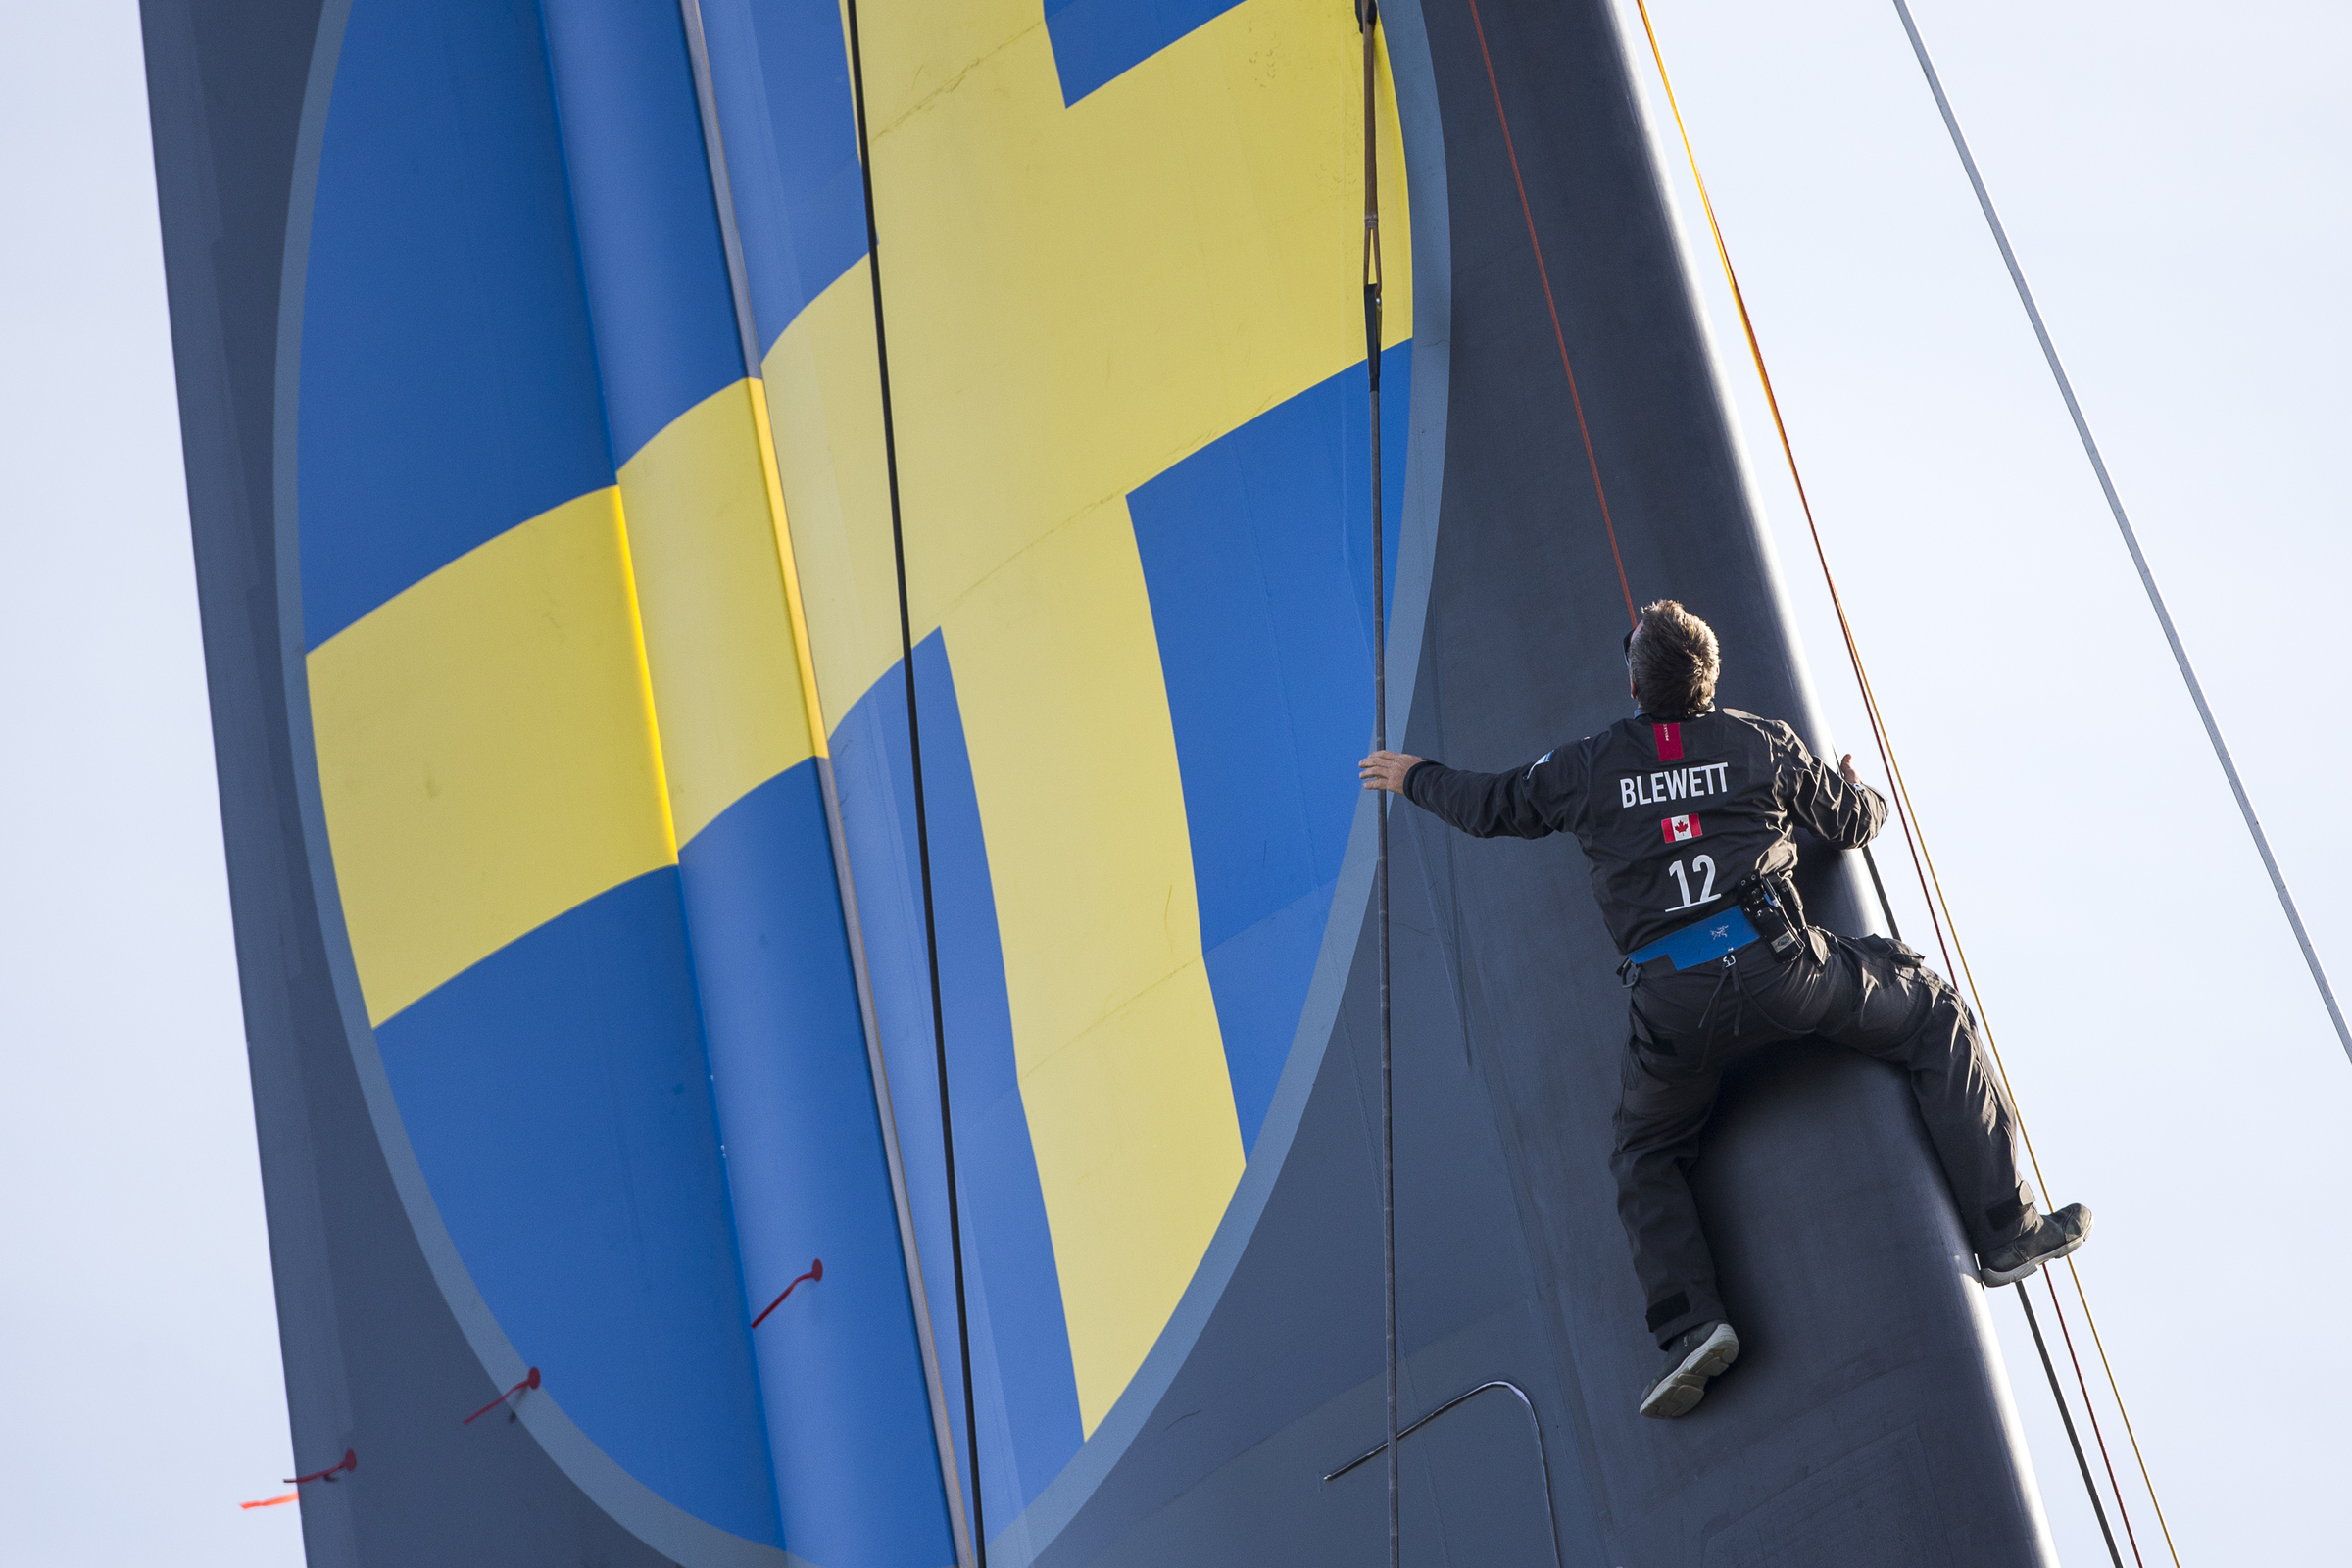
(1699, 942)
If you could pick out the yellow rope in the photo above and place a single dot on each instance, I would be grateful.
(1914, 833)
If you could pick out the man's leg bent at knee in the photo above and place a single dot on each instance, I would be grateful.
(1970, 1120)
(1911, 1016)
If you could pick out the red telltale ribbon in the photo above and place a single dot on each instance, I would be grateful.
(816, 1271)
(530, 1382)
(351, 1461)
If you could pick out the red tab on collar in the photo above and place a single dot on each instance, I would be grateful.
(1670, 742)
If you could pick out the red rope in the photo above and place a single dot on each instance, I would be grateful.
(351, 1461)
(816, 1271)
(2091, 1412)
(1549, 304)
(530, 1382)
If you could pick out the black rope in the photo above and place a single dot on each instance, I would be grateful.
(922, 828)
(1368, 17)
(2067, 1416)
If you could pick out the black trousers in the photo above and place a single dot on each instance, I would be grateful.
(1872, 994)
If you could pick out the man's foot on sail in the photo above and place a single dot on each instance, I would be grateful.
(2049, 1238)
(1695, 1355)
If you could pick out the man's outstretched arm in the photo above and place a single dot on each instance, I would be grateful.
(1486, 805)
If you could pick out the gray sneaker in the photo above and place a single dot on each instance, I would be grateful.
(1695, 1355)
(2048, 1239)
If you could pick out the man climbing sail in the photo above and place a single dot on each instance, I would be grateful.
(1686, 815)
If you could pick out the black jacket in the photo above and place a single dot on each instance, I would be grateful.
(1670, 815)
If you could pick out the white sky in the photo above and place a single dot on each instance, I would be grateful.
(2172, 178)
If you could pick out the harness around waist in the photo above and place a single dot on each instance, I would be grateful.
(1699, 942)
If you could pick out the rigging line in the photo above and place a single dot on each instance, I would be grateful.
(2067, 1416)
(1367, 21)
(2172, 637)
(914, 749)
(2035, 1158)
(1914, 834)
(1542, 272)
(2051, 1285)
(2100, 1345)
(2115, 505)
(2025, 1134)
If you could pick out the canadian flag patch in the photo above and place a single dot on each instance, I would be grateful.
(1670, 742)
(1678, 828)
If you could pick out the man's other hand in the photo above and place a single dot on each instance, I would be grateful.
(1845, 765)
(1385, 771)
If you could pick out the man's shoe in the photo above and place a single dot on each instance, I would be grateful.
(1695, 1355)
(2048, 1239)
